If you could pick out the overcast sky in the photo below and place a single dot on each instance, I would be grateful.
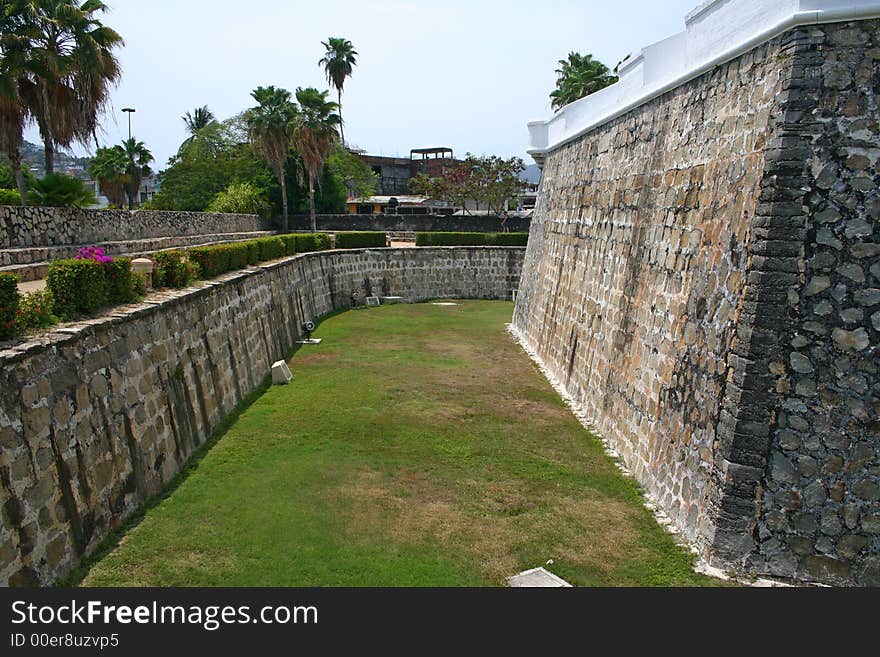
(468, 74)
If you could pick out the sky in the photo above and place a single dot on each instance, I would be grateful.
(465, 74)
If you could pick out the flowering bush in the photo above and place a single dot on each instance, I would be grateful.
(9, 302)
(35, 311)
(95, 253)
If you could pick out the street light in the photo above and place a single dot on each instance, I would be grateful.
(131, 192)
(129, 110)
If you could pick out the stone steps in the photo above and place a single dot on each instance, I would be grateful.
(32, 263)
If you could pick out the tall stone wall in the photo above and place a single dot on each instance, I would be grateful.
(23, 227)
(701, 278)
(96, 417)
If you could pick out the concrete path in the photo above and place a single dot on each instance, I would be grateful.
(30, 286)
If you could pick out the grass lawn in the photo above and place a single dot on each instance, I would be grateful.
(417, 446)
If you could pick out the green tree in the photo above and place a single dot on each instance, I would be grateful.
(220, 156)
(137, 167)
(241, 198)
(579, 76)
(58, 190)
(196, 120)
(270, 126)
(314, 136)
(495, 180)
(358, 178)
(108, 167)
(339, 61)
(69, 68)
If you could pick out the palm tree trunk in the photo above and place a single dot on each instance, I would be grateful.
(15, 161)
(48, 141)
(341, 129)
(312, 205)
(49, 154)
(284, 220)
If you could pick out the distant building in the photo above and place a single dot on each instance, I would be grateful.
(401, 204)
(395, 172)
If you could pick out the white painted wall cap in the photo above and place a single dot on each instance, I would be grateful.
(715, 32)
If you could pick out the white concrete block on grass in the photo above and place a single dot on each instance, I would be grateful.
(280, 373)
(537, 578)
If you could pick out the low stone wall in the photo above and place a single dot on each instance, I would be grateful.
(409, 223)
(96, 417)
(22, 227)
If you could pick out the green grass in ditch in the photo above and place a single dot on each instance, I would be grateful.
(417, 445)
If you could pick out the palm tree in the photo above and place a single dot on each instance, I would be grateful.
(314, 136)
(137, 167)
(270, 126)
(195, 121)
(108, 167)
(14, 115)
(338, 62)
(579, 76)
(71, 69)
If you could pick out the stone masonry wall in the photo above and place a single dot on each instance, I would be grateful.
(95, 417)
(699, 278)
(22, 227)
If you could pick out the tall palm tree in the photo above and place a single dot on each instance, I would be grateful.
(13, 112)
(270, 126)
(138, 159)
(195, 121)
(109, 167)
(579, 76)
(15, 35)
(72, 69)
(338, 62)
(314, 136)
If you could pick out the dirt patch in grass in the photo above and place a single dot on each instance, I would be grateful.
(489, 523)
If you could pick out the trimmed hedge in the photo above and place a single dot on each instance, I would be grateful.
(77, 286)
(510, 239)
(174, 269)
(305, 242)
(360, 239)
(120, 280)
(218, 259)
(10, 298)
(471, 239)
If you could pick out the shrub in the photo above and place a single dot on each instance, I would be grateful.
(451, 239)
(270, 248)
(306, 242)
(174, 269)
(289, 242)
(241, 198)
(9, 302)
(35, 311)
(253, 249)
(212, 260)
(471, 239)
(77, 286)
(360, 240)
(238, 255)
(121, 281)
(95, 253)
(58, 190)
(10, 197)
(510, 239)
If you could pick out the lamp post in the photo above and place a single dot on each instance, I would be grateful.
(129, 111)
